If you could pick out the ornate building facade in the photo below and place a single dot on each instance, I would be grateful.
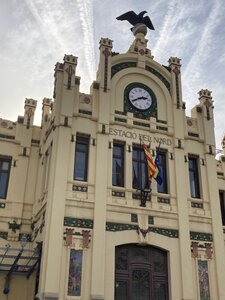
(78, 218)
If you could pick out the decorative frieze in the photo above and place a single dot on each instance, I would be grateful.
(159, 75)
(75, 222)
(118, 194)
(196, 205)
(79, 188)
(171, 233)
(124, 65)
(201, 236)
(120, 226)
(163, 200)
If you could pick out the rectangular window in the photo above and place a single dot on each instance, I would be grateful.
(118, 165)
(75, 273)
(5, 164)
(162, 166)
(81, 158)
(194, 176)
(222, 207)
(139, 167)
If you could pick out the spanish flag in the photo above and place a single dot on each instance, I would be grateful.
(152, 167)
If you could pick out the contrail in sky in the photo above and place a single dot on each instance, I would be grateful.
(86, 18)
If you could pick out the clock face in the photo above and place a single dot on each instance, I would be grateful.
(140, 98)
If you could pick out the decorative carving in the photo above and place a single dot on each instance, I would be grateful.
(177, 72)
(142, 231)
(70, 71)
(86, 239)
(106, 53)
(14, 226)
(194, 246)
(69, 236)
(208, 250)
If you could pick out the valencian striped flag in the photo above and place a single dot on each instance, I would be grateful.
(152, 167)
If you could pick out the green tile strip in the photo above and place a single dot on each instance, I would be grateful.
(85, 112)
(192, 134)
(122, 113)
(124, 65)
(171, 233)
(111, 226)
(75, 222)
(8, 137)
(120, 120)
(201, 236)
(120, 227)
(157, 74)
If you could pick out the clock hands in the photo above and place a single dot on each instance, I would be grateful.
(139, 98)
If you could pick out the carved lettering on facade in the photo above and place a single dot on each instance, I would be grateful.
(137, 136)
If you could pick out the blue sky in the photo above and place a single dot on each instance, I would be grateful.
(35, 34)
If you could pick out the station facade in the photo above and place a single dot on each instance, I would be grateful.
(78, 217)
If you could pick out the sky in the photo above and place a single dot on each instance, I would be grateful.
(35, 34)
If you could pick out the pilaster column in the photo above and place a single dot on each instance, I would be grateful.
(99, 231)
(184, 230)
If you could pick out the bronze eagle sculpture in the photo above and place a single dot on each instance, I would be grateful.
(134, 19)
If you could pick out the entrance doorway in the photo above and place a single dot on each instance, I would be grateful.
(141, 273)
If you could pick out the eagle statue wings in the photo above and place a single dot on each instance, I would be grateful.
(134, 19)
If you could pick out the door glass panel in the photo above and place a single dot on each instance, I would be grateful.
(121, 259)
(160, 291)
(140, 285)
(159, 261)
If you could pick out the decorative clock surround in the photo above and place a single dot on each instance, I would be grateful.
(140, 100)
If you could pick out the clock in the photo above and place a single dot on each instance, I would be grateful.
(140, 98)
